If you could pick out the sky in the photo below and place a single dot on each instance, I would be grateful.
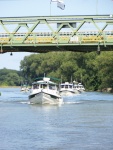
(18, 8)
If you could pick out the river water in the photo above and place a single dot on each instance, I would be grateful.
(83, 122)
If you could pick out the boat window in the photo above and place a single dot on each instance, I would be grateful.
(52, 87)
(35, 86)
(62, 86)
(66, 86)
(45, 86)
(70, 86)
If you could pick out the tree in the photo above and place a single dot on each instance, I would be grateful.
(10, 77)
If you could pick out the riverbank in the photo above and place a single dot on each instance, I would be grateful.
(10, 86)
(107, 90)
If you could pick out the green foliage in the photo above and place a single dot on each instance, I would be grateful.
(10, 77)
(105, 67)
(94, 71)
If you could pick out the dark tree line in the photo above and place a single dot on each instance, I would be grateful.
(10, 77)
(94, 71)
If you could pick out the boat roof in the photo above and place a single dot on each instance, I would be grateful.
(50, 78)
(44, 80)
(66, 83)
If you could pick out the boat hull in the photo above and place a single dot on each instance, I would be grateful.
(44, 98)
(67, 93)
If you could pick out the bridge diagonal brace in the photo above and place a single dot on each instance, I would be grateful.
(75, 31)
(30, 30)
(12, 34)
(49, 26)
(100, 33)
(19, 26)
(55, 34)
(71, 27)
(15, 31)
(95, 25)
(4, 27)
(26, 26)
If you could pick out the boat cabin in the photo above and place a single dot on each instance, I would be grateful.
(66, 85)
(44, 84)
(79, 86)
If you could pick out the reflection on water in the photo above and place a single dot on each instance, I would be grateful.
(83, 122)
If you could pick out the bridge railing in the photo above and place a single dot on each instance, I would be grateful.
(62, 37)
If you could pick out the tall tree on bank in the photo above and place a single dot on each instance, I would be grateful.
(89, 68)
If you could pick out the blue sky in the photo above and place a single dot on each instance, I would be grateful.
(14, 8)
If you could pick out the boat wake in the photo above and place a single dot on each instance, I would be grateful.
(25, 102)
(72, 102)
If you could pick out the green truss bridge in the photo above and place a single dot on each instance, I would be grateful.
(82, 33)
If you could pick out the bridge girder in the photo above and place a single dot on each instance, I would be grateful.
(43, 49)
(42, 34)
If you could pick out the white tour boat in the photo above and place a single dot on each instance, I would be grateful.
(79, 87)
(24, 88)
(67, 89)
(44, 91)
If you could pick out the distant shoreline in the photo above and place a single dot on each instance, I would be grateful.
(10, 86)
